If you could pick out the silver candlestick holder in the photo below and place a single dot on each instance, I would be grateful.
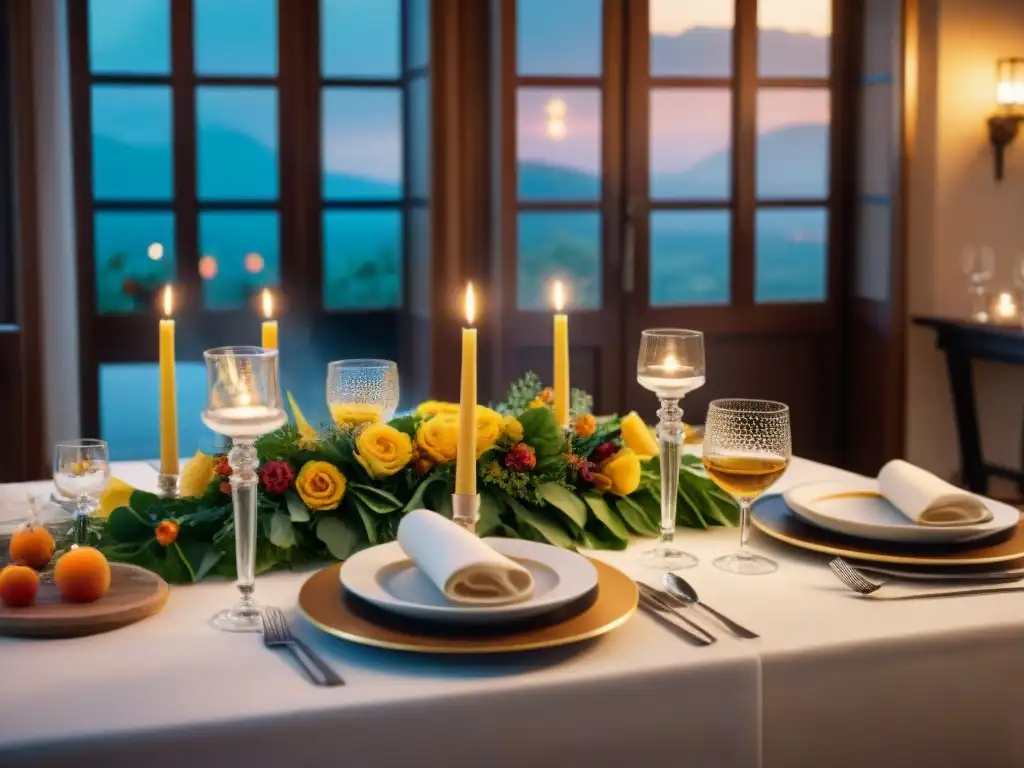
(466, 510)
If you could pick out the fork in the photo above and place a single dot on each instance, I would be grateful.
(659, 605)
(277, 634)
(859, 583)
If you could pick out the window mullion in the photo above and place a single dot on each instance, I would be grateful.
(744, 131)
(184, 133)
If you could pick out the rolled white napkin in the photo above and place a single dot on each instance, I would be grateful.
(462, 566)
(927, 499)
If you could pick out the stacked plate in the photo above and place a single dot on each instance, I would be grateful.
(379, 597)
(855, 521)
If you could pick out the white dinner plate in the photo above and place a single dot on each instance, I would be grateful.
(385, 577)
(856, 509)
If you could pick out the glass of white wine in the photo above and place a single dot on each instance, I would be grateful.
(747, 447)
(81, 469)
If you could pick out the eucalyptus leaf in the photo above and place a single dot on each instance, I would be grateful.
(368, 517)
(565, 501)
(377, 500)
(606, 514)
(281, 532)
(340, 535)
(549, 528)
(297, 511)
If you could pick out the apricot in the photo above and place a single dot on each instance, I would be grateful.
(18, 586)
(82, 575)
(32, 546)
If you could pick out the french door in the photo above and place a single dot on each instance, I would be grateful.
(677, 166)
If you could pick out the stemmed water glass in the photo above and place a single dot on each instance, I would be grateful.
(670, 364)
(243, 403)
(747, 447)
(979, 265)
(81, 469)
(366, 383)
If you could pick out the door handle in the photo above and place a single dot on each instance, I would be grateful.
(629, 253)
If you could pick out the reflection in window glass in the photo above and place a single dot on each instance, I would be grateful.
(239, 255)
(130, 37)
(360, 38)
(221, 47)
(362, 259)
(690, 257)
(134, 256)
(131, 142)
(564, 245)
(692, 39)
(362, 143)
(690, 145)
(792, 142)
(237, 143)
(794, 38)
(558, 38)
(130, 410)
(792, 255)
(558, 140)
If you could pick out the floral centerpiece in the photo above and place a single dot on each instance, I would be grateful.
(328, 493)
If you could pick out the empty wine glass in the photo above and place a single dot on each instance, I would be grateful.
(81, 470)
(747, 446)
(362, 390)
(243, 403)
(979, 265)
(670, 364)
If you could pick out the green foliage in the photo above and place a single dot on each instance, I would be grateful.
(520, 393)
(542, 434)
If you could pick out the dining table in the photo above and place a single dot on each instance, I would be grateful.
(835, 679)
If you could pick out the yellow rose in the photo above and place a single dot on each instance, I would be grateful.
(586, 425)
(431, 408)
(383, 450)
(321, 485)
(351, 415)
(438, 437)
(623, 469)
(489, 427)
(117, 494)
(196, 475)
(513, 429)
(537, 402)
(637, 436)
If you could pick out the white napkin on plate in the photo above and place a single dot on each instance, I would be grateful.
(462, 566)
(927, 499)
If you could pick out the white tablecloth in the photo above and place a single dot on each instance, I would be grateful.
(835, 680)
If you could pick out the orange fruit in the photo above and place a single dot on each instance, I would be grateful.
(18, 586)
(32, 546)
(82, 575)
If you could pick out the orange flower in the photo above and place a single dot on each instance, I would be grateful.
(586, 425)
(547, 395)
(167, 532)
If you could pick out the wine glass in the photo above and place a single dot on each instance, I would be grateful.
(670, 364)
(368, 387)
(979, 265)
(747, 447)
(81, 470)
(243, 403)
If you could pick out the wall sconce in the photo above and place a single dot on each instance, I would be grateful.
(1002, 127)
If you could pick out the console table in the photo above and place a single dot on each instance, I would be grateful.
(964, 341)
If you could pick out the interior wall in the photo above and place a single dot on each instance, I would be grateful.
(956, 202)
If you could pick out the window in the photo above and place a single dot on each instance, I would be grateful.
(233, 145)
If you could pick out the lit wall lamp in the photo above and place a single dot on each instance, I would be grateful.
(1003, 126)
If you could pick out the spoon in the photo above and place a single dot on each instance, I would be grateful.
(681, 590)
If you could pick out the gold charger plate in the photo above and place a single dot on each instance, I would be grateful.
(772, 517)
(323, 603)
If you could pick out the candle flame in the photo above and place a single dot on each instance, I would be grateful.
(168, 300)
(268, 304)
(470, 304)
(558, 295)
(671, 363)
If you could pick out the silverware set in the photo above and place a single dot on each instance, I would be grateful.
(668, 606)
(861, 584)
(277, 634)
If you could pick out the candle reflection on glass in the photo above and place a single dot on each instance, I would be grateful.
(1004, 308)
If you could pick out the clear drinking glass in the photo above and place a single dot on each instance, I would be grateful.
(243, 403)
(670, 364)
(747, 447)
(81, 470)
(979, 264)
(362, 386)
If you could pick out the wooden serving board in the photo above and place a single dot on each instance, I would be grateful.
(134, 594)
